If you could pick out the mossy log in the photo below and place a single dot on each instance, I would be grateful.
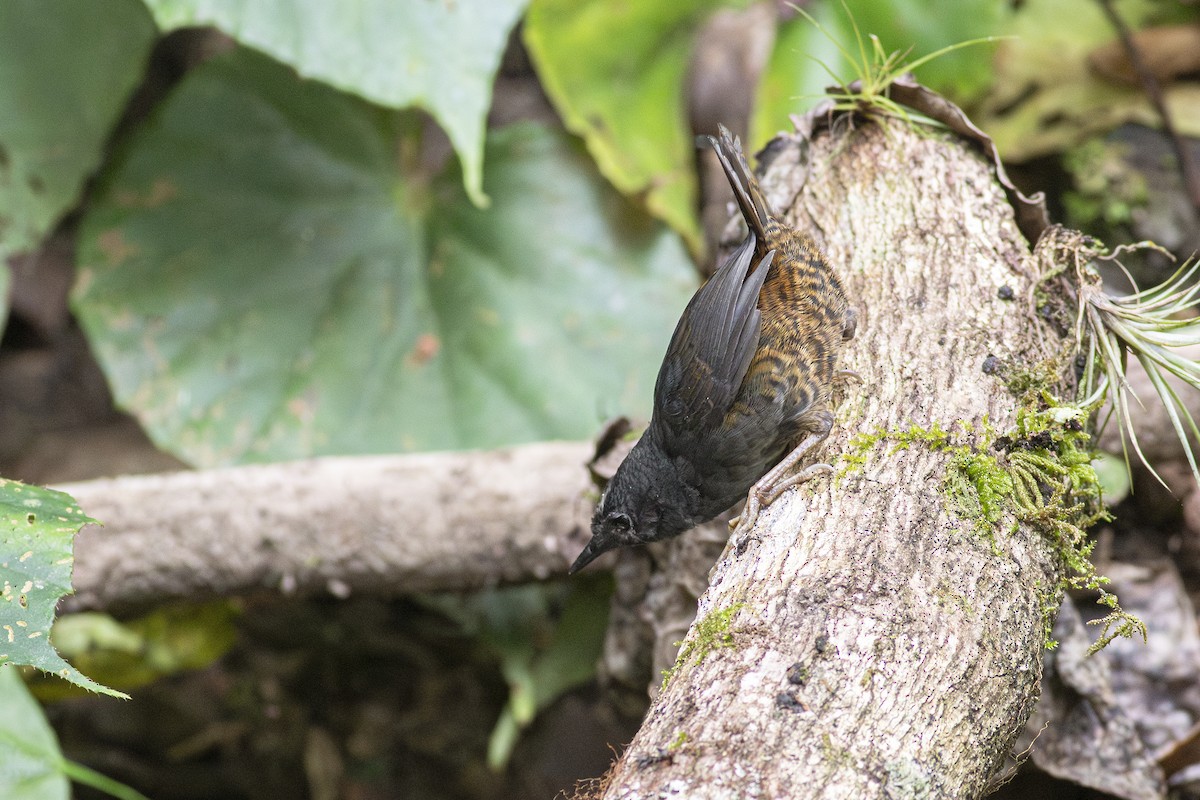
(879, 645)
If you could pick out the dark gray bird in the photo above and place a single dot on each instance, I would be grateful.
(744, 386)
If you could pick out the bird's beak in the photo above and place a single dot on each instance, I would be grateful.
(589, 554)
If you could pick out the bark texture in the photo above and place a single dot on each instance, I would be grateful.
(387, 524)
(866, 641)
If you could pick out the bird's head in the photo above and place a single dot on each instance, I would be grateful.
(645, 501)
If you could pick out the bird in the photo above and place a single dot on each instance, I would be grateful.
(743, 393)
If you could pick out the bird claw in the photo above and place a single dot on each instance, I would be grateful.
(762, 496)
(743, 544)
(745, 522)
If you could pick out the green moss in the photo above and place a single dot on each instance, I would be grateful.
(935, 438)
(978, 488)
(679, 741)
(861, 444)
(1028, 383)
(1040, 474)
(1057, 491)
(854, 459)
(712, 633)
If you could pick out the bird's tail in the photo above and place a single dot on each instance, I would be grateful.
(746, 190)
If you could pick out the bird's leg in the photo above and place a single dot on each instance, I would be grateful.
(841, 379)
(773, 484)
(849, 324)
(770, 486)
(844, 376)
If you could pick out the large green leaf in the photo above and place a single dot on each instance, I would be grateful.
(260, 281)
(66, 71)
(440, 56)
(37, 528)
(615, 72)
(29, 756)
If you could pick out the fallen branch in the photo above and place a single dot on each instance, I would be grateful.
(383, 524)
(869, 639)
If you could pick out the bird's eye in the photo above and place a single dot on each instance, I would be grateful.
(620, 520)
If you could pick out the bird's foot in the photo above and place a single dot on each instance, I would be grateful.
(761, 496)
(742, 526)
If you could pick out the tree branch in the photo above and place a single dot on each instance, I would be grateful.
(385, 524)
(869, 642)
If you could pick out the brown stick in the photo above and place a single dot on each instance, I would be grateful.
(387, 524)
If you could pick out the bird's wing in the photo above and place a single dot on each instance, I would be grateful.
(712, 347)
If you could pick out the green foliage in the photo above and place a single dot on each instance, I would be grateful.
(262, 281)
(132, 653)
(37, 527)
(794, 78)
(616, 74)
(1149, 325)
(29, 753)
(438, 56)
(928, 26)
(66, 71)
(547, 638)
(874, 69)
(1037, 95)
(31, 763)
(267, 272)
